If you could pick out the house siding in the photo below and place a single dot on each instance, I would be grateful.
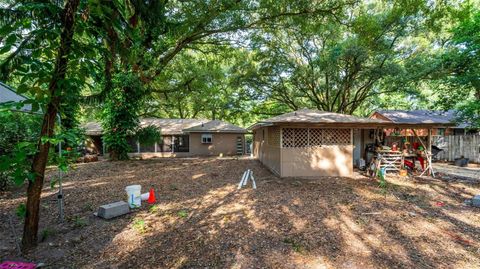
(308, 161)
(222, 144)
(266, 151)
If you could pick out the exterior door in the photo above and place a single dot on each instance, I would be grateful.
(181, 143)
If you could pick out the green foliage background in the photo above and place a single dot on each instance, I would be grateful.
(242, 61)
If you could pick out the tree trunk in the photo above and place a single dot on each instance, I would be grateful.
(30, 231)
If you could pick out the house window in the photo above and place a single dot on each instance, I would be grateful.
(206, 138)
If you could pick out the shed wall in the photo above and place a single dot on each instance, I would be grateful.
(317, 161)
(266, 147)
(305, 152)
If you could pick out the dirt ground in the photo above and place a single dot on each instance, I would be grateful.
(202, 221)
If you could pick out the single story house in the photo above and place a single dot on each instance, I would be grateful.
(307, 143)
(180, 138)
(422, 117)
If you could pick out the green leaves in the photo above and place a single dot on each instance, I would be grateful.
(120, 118)
(125, 8)
(148, 135)
(18, 136)
(21, 211)
(11, 39)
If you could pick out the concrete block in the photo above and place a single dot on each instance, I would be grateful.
(113, 210)
(476, 200)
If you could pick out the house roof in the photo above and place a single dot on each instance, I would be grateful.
(92, 128)
(171, 126)
(317, 117)
(421, 117)
(216, 126)
(8, 94)
(175, 126)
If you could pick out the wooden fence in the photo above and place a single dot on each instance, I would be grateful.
(455, 146)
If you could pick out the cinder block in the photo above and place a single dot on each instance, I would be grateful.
(476, 200)
(113, 210)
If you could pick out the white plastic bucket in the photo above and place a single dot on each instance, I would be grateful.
(134, 193)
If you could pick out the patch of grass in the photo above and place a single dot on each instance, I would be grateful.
(46, 233)
(182, 213)
(79, 222)
(21, 211)
(173, 187)
(295, 245)
(154, 209)
(53, 182)
(88, 207)
(139, 225)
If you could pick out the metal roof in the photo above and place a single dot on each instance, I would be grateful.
(8, 94)
(421, 116)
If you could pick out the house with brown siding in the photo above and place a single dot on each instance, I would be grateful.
(179, 138)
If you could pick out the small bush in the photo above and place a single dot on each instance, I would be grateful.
(182, 213)
(296, 246)
(46, 233)
(21, 211)
(18, 137)
(79, 222)
(139, 225)
(154, 209)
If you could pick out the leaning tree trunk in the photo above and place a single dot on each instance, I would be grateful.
(30, 231)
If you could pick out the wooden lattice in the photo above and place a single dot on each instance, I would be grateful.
(301, 137)
(288, 140)
(274, 136)
(336, 136)
(314, 137)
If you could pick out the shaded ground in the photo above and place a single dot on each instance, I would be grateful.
(203, 221)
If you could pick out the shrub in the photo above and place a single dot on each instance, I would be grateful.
(18, 136)
(148, 135)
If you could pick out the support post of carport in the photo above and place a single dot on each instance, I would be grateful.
(428, 149)
(429, 140)
(429, 152)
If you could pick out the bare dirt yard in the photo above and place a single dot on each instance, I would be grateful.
(201, 220)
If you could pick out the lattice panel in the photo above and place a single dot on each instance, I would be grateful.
(274, 136)
(315, 137)
(288, 140)
(336, 136)
(301, 137)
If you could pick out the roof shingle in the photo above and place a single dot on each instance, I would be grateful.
(317, 116)
(216, 126)
(421, 116)
(175, 126)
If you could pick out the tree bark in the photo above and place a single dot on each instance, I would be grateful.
(30, 231)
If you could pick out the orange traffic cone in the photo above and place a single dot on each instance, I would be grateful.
(151, 197)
